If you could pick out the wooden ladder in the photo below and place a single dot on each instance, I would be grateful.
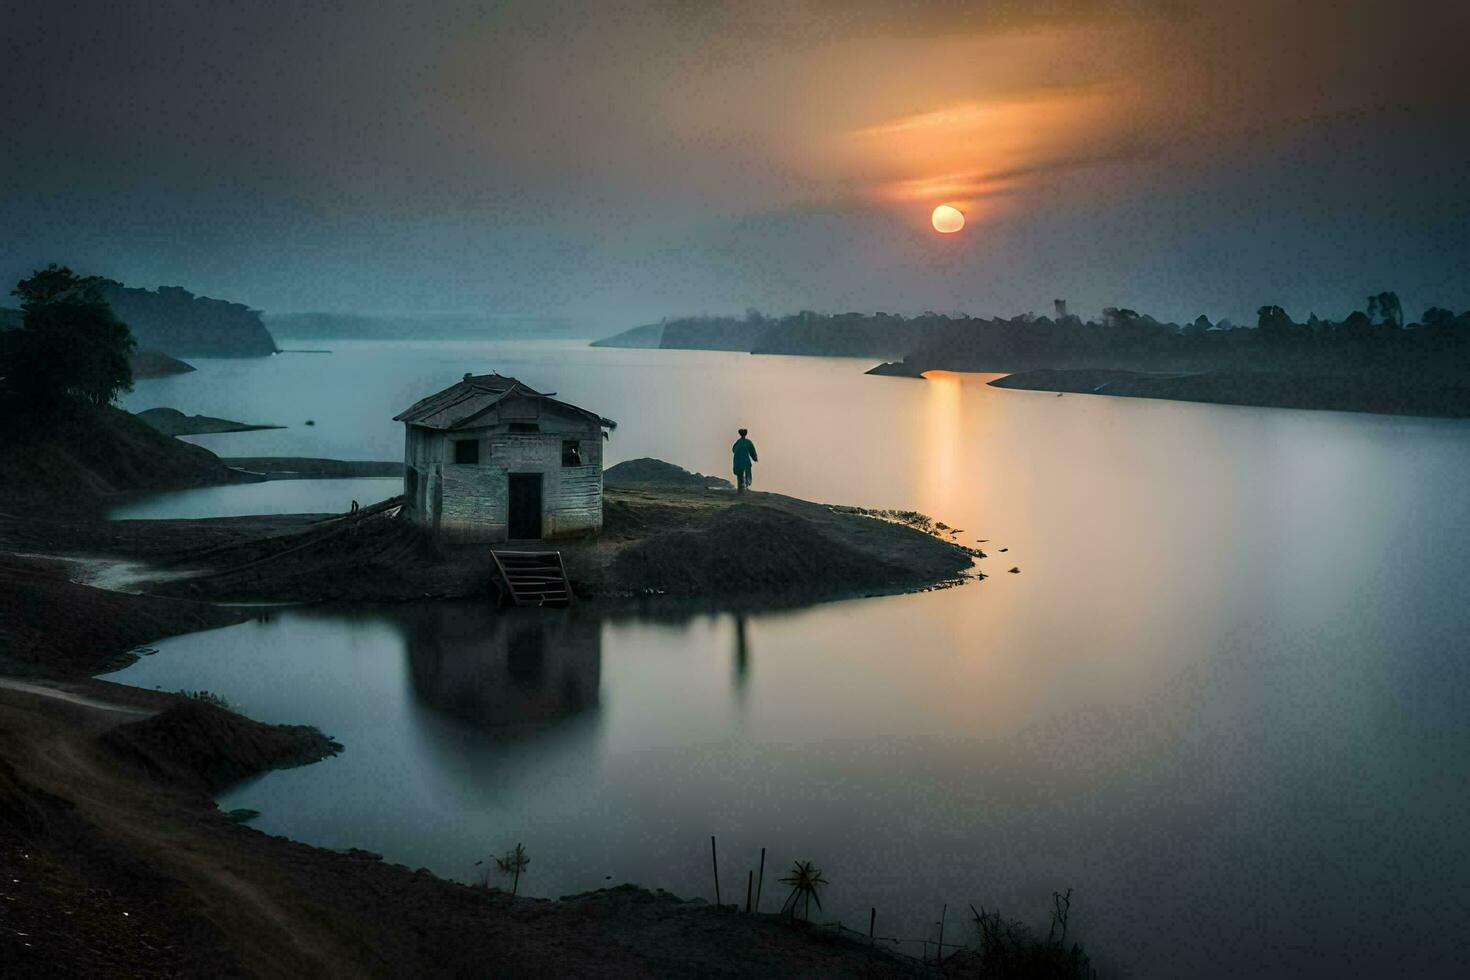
(532, 578)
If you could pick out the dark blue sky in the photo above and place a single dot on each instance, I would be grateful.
(622, 161)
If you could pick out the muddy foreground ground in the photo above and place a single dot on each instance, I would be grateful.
(108, 872)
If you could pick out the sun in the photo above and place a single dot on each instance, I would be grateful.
(947, 219)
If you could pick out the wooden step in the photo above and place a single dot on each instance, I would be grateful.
(532, 578)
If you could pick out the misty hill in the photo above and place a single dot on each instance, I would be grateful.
(656, 472)
(647, 337)
(96, 452)
(174, 321)
(425, 326)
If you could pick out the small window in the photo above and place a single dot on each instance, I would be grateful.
(524, 427)
(467, 451)
(571, 453)
(411, 484)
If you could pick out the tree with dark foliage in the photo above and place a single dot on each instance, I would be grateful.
(70, 346)
(1387, 305)
(1273, 322)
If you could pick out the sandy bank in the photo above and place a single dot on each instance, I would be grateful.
(202, 745)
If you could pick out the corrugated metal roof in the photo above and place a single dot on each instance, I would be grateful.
(460, 403)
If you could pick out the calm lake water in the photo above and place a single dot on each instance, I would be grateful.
(1226, 700)
(280, 497)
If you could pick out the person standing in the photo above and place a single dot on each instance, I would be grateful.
(744, 451)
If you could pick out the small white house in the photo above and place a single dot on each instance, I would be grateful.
(490, 459)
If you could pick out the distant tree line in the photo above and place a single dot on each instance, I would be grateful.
(1120, 337)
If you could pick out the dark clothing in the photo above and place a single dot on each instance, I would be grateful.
(744, 451)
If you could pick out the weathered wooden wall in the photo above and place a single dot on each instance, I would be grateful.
(468, 502)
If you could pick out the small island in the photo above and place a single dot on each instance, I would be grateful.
(1263, 389)
(172, 422)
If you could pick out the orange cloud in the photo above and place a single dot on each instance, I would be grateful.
(978, 150)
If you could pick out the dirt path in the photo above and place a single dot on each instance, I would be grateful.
(140, 824)
(115, 873)
(60, 694)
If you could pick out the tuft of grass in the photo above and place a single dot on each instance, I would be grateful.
(1009, 949)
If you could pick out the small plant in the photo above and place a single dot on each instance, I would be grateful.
(209, 698)
(1009, 949)
(1061, 909)
(513, 863)
(806, 883)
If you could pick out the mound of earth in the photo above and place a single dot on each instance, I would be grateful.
(203, 745)
(172, 422)
(91, 453)
(51, 626)
(739, 550)
(759, 548)
(377, 554)
(656, 472)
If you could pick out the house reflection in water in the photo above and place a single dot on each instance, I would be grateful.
(503, 667)
(742, 657)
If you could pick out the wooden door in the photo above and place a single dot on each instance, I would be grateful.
(524, 507)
